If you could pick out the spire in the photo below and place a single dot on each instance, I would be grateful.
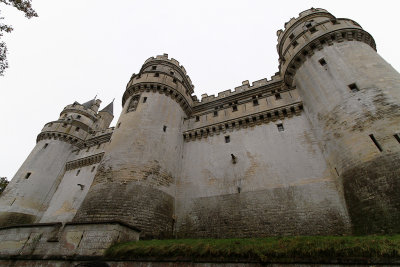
(109, 108)
(89, 104)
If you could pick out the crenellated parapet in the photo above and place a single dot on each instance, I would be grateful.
(310, 32)
(82, 162)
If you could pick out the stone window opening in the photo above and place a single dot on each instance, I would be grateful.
(234, 108)
(376, 142)
(353, 87)
(284, 111)
(171, 72)
(301, 107)
(197, 118)
(397, 137)
(64, 125)
(213, 129)
(93, 168)
(278, 96)
(45, 146)
(164, 128)
(77, 173)
(77, 129)
(292, 109)
(227, 139)
(78, 117)
(144, 99)
(322, 61)
(215, 113)
(255, 101)
(240, 122)
(280, 127)
(174, 80)
(309, 24)
(27, 175)
(291, 37)
(294, 44)
(312, 30)
(276, 113)
(154, 67)
(156, 74)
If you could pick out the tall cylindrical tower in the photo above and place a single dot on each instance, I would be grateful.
(351, 96)
(135, 181)
(27, 196)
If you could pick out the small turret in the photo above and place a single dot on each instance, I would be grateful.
(106, 115)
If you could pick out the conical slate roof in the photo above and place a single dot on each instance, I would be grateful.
(109, 108)
(89, 104)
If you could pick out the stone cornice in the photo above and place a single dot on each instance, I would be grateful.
(79, 111)
(243, 122)
(86, 161)
(60, 136)
(160, 88)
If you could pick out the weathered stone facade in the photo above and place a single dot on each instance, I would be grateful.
(312, 151)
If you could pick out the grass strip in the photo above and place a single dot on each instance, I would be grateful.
(318, 249)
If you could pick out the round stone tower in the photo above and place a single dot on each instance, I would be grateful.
(135, 182)
(351, 96)
(27, 196)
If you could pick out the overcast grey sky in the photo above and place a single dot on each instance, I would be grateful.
(77, 49)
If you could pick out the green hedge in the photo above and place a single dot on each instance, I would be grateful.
(317, 249)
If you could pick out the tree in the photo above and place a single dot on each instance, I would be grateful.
(3, 184)
(24, 6)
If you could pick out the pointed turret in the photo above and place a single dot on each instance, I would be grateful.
(106, 115)
(109, 108)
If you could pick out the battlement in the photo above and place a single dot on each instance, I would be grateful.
(239, 89)
(175, 62)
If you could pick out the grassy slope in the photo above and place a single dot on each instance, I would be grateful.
(318, 249)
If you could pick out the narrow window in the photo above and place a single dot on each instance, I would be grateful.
(77, 129)
(255, 102)
(295, 43)
(227, 139)
(45, 146)
(77, 173)
(144, 99)
(278, 96)
(322, 61)
(172, 73)
(119, 124)
(234, 108)
(313, 29)
(280, 127)
(397, 136)
(156, 74)
(64, 125)
(197, 118)
(291, 37)
(174, 80)
(215, 113)
(376, 142)
(27, 175)
(93, 168)
(308, 24)
(353, 87)
(78, 117)
(154, 67)
(164, 128)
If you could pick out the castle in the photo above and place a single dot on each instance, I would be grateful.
(315, 150)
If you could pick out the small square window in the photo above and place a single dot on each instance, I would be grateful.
(227, 139)
(77, 129)
(174, 80)
(164, 128)
(197, 118)
(353, 87)
(78, 117)
(144, 99)
(215, 113)
(278, 96)
(154, 67)
(280, 127)
(313, 29)
(171, 72)
(234, 108)
(156, 74)
(295, 43)
(322, 61)
(291, 37)
(255, 102)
